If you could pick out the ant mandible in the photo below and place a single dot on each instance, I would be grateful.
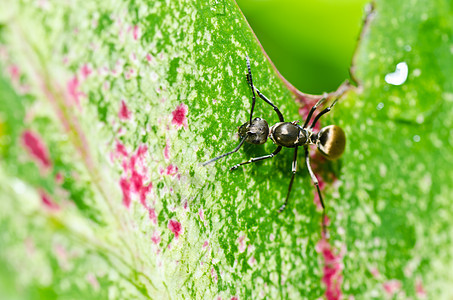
(330, 140)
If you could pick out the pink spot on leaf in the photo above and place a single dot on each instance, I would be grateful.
(136, 32)
(126, 189)
(175, 227)
(392, 286)
(171, 170)
(214, 275)
(143, 192)
(130, 73)
(333, 266)
(419, 289)
(135, 177)
(200, 213)
(152, 215)
(93, 281)
(242, 245)
(179, 116)
(121, 149)
(155, 238)
(141, 151)
(62, 256)
(59, 178)
(167, 150)
(106, 86)
(48, 202)
(375, 273)
(36, 148)
(73, 90)
(149, 58)
(205, 244)
(124, 113)
(14, 73)
(85, 71)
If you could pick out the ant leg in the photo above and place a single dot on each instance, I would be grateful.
(226, 154)
(255, 159)
(280, 116)
(322, 113)
(312, 110)
(294, 165)
(250, 81)
(316, 183)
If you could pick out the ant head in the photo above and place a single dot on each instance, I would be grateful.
(257, 132)
(331, 141)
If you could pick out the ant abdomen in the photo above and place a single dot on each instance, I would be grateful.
(331, 141)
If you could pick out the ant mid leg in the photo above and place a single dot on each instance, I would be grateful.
(255, 159)
(294, 167)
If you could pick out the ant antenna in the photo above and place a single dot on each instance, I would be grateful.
(226, 154)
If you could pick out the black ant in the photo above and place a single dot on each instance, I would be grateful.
(330, 140)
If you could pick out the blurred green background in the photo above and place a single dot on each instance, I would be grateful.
(310, 42)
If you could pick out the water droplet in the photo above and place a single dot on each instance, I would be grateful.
(399, 76)
(408, 48)
(416, 138)
(380, 106)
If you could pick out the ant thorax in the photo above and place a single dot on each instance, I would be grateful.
(288, 134)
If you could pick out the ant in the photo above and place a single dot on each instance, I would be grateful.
(330, 140)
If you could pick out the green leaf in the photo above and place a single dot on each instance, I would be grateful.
(108, 110)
